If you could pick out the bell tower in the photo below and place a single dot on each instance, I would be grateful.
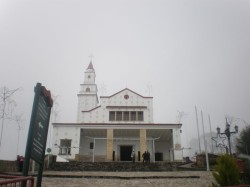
(87, 97)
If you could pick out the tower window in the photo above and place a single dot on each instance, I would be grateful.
(87, 89)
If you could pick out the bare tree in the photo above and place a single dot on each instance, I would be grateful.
(180, 115)
(19, 121)
(54, 116)
(243, 121)
(7, 105)
(231, 119)
(103, 89)
(55, 109)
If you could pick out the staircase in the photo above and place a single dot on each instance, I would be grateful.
(111, 166)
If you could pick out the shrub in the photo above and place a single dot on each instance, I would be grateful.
(226, 171)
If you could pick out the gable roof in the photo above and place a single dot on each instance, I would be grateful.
(91, 109)
(122, 91)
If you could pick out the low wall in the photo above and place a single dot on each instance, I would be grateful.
(201, 160)
(110, 166)
(12, 166)
(8, 166)
(89, 158)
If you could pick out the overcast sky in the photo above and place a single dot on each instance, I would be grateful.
(183, 53)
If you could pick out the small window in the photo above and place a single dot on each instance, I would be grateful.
(126, 96)
(133, 116)
(91, 145)
(126, 116)
(65, 147)
(118, 116)
(87, 89)
(111, 116)
(140, 116)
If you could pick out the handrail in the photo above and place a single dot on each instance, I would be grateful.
(16, 179)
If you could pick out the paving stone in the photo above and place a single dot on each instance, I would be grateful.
(134, 179)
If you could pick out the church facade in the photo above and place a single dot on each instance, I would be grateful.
(109, 128)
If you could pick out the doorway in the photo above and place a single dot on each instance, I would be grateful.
(125, 152)
(158, 156)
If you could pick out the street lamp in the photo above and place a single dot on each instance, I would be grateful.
(228, 133)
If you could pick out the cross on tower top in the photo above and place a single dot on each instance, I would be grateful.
(91, 56)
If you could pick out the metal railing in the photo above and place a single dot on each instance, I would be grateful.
(17, 181)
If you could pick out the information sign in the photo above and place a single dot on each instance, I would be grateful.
(38, 130)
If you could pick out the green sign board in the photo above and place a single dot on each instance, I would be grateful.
(38, 130)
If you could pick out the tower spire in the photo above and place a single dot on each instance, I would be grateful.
(90, 63)
(90, 66)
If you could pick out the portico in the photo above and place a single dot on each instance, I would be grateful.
(102, 142)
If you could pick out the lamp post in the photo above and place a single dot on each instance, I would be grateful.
(228, 133)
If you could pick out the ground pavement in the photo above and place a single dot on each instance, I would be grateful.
(114, 179)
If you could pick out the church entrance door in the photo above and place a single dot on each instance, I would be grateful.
(125, 152)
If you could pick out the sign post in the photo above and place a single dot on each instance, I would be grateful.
(38, 130)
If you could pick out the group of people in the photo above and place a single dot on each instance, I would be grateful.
(146, 157)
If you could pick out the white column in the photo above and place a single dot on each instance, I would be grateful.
(177, 144)
(93, 159)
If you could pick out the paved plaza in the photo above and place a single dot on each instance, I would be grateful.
(113, 179)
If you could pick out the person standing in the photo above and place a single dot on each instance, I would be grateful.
(148, 156)
(144, 157)
(133, 156)
(20, 163)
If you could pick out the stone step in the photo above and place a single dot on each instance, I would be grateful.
(110, 166)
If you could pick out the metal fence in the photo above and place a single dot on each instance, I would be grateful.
(16, 181)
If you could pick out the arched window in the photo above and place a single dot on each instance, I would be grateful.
(87, 89)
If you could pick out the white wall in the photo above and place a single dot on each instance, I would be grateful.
(66, 132)
(100, 147)
(177, 141)
(101, 114)
(165, 148)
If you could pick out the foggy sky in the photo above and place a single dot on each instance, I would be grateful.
(183, 53)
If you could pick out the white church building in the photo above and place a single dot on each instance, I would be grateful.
(109, 128)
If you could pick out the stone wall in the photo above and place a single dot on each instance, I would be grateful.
(89, 158)
(110, 166)
(201, 160)
(10, 166)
